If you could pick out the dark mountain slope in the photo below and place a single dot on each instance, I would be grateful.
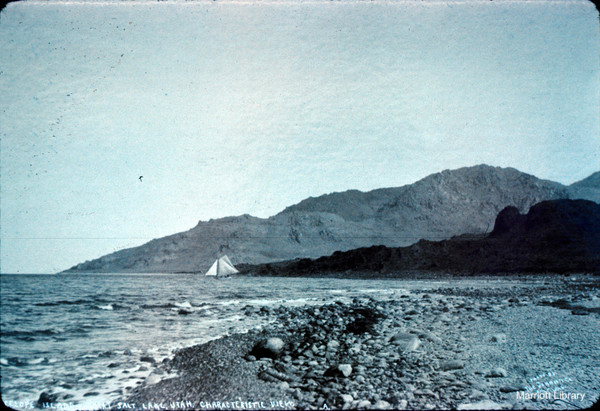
(439, 206)
(554, 236)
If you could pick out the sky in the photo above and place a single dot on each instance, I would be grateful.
(234, 107)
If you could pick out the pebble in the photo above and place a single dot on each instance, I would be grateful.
(452, 365)
(401, 405)
(339, 370)
(148, 359)
(381, 405)
(347, 398)
(497, 373)
(511, 388)
(152, 379)
(363, 404)
(406, 342)
(478, 395)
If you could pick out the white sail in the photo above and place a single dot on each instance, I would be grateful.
(222, 267)
(225, 267)
(228, 261)
(213, 269)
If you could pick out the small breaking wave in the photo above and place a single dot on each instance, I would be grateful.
(185, 304)
(41, 360)
(111, 307)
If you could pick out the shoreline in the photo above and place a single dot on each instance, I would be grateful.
(442, 348)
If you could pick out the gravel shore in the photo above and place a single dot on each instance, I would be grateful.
(475, 345)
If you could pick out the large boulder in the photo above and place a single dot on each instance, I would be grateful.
(268, 348)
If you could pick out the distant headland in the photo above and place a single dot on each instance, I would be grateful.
(436, 208)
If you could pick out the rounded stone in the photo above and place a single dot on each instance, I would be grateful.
(268, 348)
(340, 370)
(382, 405)
(497, 373)
(452, 365)
(347, 398)
(346, 369)
(406, 342)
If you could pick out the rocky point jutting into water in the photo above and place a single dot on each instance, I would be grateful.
(442, 205)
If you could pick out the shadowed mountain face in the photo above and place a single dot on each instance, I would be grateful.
(558, 236)
(439, 206)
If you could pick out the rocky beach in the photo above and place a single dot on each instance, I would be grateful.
(524, 342)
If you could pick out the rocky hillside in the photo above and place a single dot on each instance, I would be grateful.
(554, 236)
(588, 188)
(437, 207)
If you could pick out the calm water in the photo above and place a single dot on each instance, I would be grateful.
(83, 335)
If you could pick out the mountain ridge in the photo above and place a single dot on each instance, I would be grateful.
(441, 205)
(559, 236)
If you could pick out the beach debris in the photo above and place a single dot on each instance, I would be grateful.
(272, 375)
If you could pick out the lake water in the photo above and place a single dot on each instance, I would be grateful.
(82, 336)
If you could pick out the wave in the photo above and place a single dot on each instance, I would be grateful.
(232, 295)
(63, 302)
(35, 333)
(111, 307)
(41, 360)
(185, 304)
(150, 306)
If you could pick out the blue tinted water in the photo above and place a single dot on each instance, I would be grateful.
(85, 334)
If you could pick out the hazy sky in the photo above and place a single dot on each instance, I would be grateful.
(228, 108)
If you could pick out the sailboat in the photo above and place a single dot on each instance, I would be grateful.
(222, 267)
